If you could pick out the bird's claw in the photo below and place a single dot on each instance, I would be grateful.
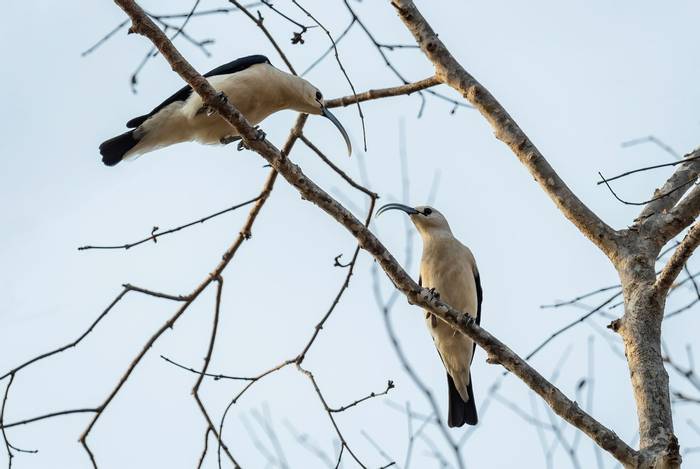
(259, 133)
(208, 111)
(434, 295)
(228, 139)
(222, 97)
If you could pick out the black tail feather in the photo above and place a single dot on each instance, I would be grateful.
(114, 149)
(460, 412)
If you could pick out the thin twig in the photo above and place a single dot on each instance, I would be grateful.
(651, 139)
(389, 386)
(648, 168)
(665, 194)
(259, 23)
(155, 235)
(201, 373)
(342, 68)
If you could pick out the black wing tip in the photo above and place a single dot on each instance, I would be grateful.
(136, 121)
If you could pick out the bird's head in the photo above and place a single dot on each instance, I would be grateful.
(310, 100)
(428, 220)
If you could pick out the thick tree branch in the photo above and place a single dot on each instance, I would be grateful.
(680, 217)
(655, 216)
(450, 72)
(681, 255)
(422, 298)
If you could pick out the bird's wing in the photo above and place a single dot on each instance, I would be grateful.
(479, 298)
(183, 93)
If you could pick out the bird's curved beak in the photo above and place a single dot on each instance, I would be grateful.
(402, 207)
(327, 114)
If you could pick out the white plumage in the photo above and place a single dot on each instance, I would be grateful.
(258, 91)
(251, 84)
(448, 267)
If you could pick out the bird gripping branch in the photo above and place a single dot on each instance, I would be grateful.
(251, 84)
(448, 269)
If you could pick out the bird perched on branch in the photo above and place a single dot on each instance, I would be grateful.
(449, 269)
(251, 84)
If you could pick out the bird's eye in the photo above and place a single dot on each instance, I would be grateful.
(427, 211)
(319, 96)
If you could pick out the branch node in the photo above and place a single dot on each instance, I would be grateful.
(615, 325)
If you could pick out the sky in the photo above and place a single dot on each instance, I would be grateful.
(579, 77)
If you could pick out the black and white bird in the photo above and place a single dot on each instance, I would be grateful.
(448, 267)
(251, 84)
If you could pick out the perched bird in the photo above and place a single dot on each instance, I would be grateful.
(251, 84)
(448, 267)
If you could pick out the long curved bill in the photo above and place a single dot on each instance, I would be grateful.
(402, 207)
(327, 114)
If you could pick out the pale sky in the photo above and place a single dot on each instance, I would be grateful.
(580, 78)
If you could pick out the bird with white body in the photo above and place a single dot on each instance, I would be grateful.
(448, 268)
(251, 84)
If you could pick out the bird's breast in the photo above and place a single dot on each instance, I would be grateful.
(446, 268)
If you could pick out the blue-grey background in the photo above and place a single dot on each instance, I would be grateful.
(580, 78)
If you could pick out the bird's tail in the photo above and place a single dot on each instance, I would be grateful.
(114, 149)
(460, 412)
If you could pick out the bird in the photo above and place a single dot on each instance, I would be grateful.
(252, 84)
(448, 269)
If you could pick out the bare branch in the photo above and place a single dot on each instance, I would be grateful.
(339, 171)
(658, 216)
(216, 377)
(652, 139)
(155, 234)
(328, 410)
(389, 386)
(450, 72)
(2, 416)
(384, 92)
(681, 216)
(683, 252)
(420, 297)
(259, 22)
(342, 68)
(51, 415)
(646, 168)
(657, 196)
(380, 49)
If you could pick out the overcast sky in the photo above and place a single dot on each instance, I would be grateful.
(579, 77)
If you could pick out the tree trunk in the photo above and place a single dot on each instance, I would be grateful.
(640, 329)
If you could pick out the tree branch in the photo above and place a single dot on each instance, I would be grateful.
(416, 295)
(450, 72)
(384, 92)
(688, 170)
(678, 259)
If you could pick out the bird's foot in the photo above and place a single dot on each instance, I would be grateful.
(259, 135)
(229, 139)
(206, 110)
(434, 295)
